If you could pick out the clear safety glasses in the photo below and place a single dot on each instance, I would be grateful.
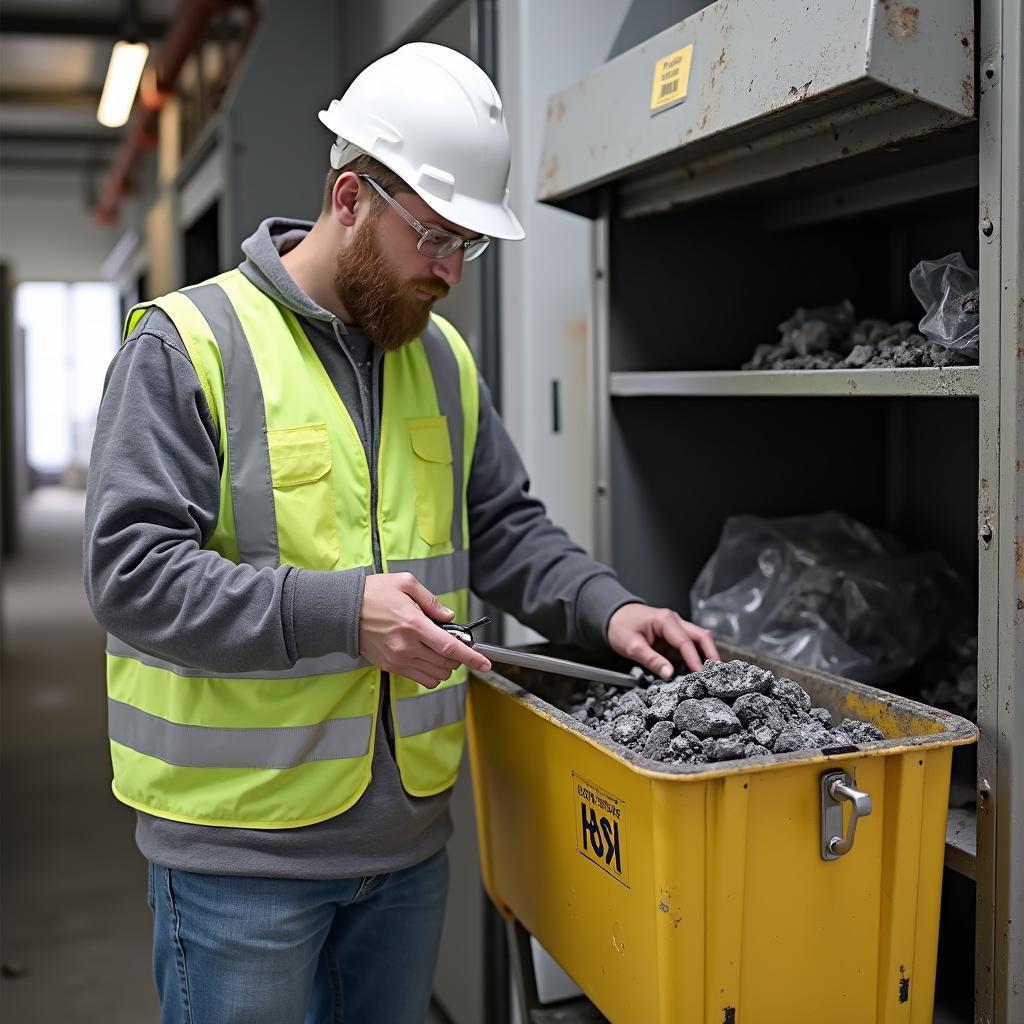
(434, 243)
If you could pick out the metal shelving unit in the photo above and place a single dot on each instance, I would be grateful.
(960, 381)
(811, 148)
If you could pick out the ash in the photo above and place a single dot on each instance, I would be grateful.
(831, 339)
(726, 711)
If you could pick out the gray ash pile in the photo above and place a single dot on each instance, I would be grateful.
(830, 338)
(727, 710)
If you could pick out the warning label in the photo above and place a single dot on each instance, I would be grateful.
(671, 79)
(600, 828)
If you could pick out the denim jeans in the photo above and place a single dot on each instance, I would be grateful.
(233, 950)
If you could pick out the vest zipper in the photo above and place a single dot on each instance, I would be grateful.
(385, 677)
(369, 406)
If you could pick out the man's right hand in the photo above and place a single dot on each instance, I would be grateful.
(398, 631)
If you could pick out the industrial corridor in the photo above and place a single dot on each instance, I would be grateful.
(511, 512)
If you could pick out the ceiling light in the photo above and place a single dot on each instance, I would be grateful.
(126, 63)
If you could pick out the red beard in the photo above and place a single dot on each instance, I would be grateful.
(390, 313)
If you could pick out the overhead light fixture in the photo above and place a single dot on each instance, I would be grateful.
(126, 63)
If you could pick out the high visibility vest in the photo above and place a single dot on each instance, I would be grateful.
(292, 747)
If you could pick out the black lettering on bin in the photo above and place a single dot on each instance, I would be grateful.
(904, 989)
(830, 751)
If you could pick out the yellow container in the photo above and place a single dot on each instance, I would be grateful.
(700, 893)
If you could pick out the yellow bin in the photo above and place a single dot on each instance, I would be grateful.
(701, 893)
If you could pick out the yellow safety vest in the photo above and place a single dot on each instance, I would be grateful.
(289, 748)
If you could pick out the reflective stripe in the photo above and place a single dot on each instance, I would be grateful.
(328, 664)
(252, 495)
(431, 710)
(199, 746)
(444, 368)
(441, 574)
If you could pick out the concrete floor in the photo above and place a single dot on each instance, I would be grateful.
(75, 925)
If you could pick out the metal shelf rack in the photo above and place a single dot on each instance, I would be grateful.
(817, 134)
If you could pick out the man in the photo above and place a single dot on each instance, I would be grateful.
(297, 477)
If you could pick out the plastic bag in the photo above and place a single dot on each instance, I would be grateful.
(948, 291)
(826, 592)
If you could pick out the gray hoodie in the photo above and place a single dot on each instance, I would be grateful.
(153, 498)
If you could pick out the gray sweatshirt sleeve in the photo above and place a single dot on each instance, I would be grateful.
(153, 498)
(519, 560)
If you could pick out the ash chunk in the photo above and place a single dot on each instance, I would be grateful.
(659, 741)
(728, 680)
(627, 729)
(755, 710)
(686, 746)
(803, 735)
(663, 706)
(724, 748)
(822, 715)
(706, 717)
(860, 732)
(793, 695)
(629, 703)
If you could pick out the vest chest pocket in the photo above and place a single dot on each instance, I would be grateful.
(432, 472)
(300, 468)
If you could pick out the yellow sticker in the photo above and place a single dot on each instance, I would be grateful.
(671, 79)
(600, 828)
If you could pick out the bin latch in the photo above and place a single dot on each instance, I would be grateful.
(837, 787)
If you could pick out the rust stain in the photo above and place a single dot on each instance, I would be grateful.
(1018, 550)
(556, 111)
(576, 331)
(799, 92)
(900, 19)
(967, 39)
(967, 92)
(549, 182)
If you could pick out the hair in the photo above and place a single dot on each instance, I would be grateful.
(384, 176)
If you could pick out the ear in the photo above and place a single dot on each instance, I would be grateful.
(343, 198)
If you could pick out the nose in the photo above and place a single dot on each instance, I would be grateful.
(449, 269)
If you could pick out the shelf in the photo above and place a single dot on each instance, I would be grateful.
(684, 112)
(961, 842)
(929, 382)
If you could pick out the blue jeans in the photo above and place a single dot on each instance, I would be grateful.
(233, 950)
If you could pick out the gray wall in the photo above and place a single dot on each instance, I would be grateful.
(277, 150)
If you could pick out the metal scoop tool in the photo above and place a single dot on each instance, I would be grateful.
(540, 662)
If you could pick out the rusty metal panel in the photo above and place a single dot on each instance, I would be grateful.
(755, 68)
(1001, 74)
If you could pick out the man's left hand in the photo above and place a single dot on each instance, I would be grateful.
(651, 636)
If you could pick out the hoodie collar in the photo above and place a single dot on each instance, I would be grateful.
(262, 265)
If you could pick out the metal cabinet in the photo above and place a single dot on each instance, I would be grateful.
(757, 157)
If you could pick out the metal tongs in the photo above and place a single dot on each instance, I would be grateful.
(540, 662)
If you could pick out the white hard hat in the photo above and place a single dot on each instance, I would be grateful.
(433, 117)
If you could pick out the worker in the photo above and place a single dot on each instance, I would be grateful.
(297, 478)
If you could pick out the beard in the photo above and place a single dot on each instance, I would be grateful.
(390, 313)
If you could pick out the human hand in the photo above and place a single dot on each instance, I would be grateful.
(645, 635)
(398, 631)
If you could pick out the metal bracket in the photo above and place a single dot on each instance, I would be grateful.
(837, 787)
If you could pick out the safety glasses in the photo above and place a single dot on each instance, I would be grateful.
(434, 243)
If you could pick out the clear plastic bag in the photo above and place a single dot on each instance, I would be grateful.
(826, 592)
(948, 291)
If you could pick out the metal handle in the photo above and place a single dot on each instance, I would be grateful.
(836, 788)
